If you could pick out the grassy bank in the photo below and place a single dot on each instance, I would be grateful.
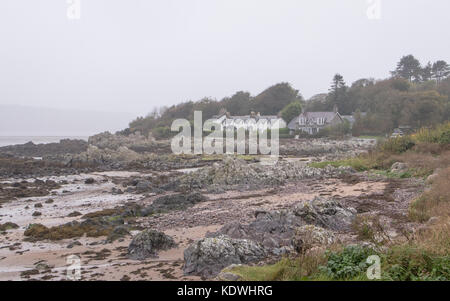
(425, 255)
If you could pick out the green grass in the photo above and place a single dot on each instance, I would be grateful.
(393, 175)
(364, 164)
(358, 163)
(304, 267)
(400, 263)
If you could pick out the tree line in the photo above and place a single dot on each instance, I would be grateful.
(270, 102)
(414, 95)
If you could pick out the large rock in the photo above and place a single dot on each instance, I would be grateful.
(173, 202)
(309, 236)
(325, 213)
(399, 167)
(107, 140)
(331, 149)
(65, 146)
(147, 243)
(208, 256)
(431, 178)
(143, 186)
(275, 230)
(232, 173)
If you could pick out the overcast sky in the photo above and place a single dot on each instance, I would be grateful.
(133, 55)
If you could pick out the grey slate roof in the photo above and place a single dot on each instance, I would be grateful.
(314, 115)
(327, 116)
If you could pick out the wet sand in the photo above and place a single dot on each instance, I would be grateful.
(108, 261)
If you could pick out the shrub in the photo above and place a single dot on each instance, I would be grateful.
(162, 132)
(440, 134)
(397, 145)
(291, 111)
(347, 264)
(412, 263)
(336, 131)
(436, 201)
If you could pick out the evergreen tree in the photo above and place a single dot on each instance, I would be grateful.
(440, 70)
(427, 72)
(338, 94)
(408, 68)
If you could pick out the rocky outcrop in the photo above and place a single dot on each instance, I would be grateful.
(273, 230)
(326, 213)
(399, 167)
(208, 256)
(431, 178)
(65, 146)
(127, 157)
(147, 244)
(173, 202)
(308, 237)
(233, 172)
(276, 230)
(325, 147)
(110, 141)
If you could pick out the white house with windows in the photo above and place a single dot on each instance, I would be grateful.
(248, 122)
(313, 122)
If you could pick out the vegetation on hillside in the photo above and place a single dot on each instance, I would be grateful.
(270, 102)
(415, 96)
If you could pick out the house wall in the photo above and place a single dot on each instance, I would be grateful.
(315, 128)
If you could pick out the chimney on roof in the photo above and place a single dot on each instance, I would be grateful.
(252, 114)
(335, 109)
(258, 114)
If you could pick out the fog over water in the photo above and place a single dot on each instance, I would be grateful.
(130, 56)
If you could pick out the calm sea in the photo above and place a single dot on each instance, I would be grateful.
(11, 140)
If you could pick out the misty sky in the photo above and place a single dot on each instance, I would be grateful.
(133, 55)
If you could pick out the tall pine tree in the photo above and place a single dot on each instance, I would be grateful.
(408, 68)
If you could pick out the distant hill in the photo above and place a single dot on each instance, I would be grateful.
(39, 121)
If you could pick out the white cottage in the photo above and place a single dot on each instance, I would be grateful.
(249, 122)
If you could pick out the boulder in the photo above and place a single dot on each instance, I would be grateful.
(173, 202)
(89, 181)
(143, 186)
(147, 243)
(326, 213)
(399, 167)
(73, 244)
(8, 226)
(117, 233)
(275, 230)
(309, 236)
(208, 256)
(431, 178)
